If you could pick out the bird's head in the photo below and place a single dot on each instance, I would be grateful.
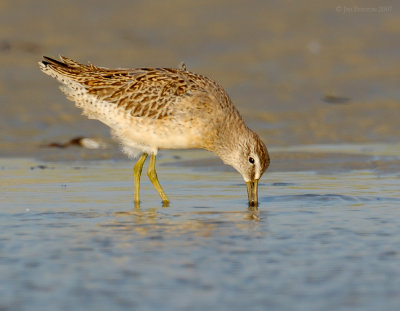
(253, 161)
(249, 156)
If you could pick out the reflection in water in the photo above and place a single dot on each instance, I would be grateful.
(136, 204)
(77, 239)
(253, 213)
(198, 223)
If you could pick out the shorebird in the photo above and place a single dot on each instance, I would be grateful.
(149, 109)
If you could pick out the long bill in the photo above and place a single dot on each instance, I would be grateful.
(252, 192)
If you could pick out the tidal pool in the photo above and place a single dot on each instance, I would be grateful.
(71, 239)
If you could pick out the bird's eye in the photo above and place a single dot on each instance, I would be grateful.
(251, 160)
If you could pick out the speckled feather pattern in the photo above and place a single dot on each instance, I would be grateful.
(155, 108)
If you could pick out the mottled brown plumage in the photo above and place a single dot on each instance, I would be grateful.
(162, 108)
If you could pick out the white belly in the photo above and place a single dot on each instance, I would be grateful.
(149, 135)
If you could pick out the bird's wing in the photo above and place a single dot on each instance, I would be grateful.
(143, 92)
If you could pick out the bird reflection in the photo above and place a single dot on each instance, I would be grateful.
(253, 213)
(136, 204)
(159, 222)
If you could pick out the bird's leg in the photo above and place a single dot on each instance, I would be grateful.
(137, 171)
(154, 179)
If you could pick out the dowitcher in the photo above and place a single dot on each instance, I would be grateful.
(149, 109)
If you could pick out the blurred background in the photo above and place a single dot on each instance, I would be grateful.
(300, 72)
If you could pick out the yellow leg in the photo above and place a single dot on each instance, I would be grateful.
(137, 171)
(154, 179)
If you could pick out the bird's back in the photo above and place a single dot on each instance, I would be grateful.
(143, 92)
(145, 100)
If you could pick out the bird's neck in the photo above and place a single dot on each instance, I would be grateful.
(229, 137)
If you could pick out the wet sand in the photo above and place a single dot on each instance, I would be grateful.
(318, 81)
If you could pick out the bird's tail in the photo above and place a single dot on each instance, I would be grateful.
(63, 70)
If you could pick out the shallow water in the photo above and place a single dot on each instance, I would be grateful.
(286, 67)
(72, 240)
